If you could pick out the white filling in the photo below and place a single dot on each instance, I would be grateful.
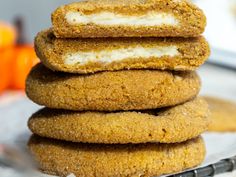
(109, 18)
(105, 56)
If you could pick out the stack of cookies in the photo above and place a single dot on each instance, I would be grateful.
(118, 82)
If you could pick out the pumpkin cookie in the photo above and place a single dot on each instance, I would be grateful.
(168, 125)
(111, 91)
(133, 18)
(63, 158)
(223, 114)
(92, 55)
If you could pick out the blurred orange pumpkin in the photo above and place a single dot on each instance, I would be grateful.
(6, 56)
(15, 64)
(8, 35)
(16, 57)
(24, 59)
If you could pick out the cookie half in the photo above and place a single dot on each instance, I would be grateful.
(223, 114)
(111, 91)
(93, 55)
(89, 160)
(133, 18)
(169, 125)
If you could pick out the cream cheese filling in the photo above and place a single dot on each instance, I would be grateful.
(108, 18)
(109, 56)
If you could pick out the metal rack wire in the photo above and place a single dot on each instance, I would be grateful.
(223, 166)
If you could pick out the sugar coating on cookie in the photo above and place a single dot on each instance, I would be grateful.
(169, 125)
(223, 114)
(111, 91)
(93, 55)
(63, 158)
(133, 18)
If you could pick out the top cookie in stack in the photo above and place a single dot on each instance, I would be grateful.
(128, 18)
(122, 101)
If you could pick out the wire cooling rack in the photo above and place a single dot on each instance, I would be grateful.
(223, 166)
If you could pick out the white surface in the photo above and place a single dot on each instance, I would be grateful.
(233, 174)
(110, 18)
(221, 23)
(220, 30)
(110, 56)
(216, 82)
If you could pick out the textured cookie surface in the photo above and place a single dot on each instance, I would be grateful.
(89, 160)
(110, 91)
(92, 55)
(133, 18)
(223, 114)
(169, 125)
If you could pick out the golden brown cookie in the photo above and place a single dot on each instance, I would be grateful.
(168, 125)
(89, 160)
(133, 18)
(223, 114)
(107, 54)
(110, 91)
